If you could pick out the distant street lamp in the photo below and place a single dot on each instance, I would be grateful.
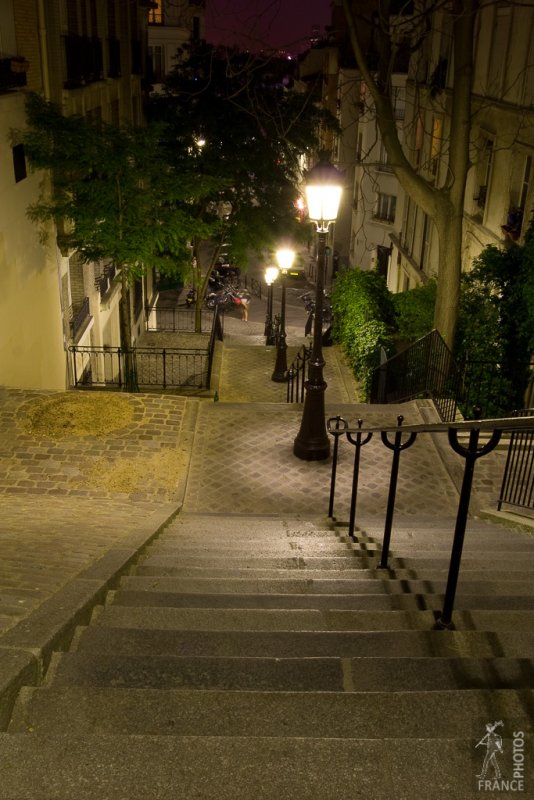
(271, 274)
(285, 258)
(323, 193)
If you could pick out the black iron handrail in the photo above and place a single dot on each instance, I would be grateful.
(425, 369)
(404, 436)
(296, 375)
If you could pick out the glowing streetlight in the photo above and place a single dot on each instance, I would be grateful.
(285, 257)
(323, 193)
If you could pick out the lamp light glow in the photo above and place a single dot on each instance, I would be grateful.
(324, 185)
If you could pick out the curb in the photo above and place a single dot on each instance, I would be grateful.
(26, 649)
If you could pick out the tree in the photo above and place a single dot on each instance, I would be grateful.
(496, 328)
(444, 203)
(113, 196)
(236, 119)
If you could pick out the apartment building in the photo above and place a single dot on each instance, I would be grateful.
(499, 197)
(171, 25)
(89, 57)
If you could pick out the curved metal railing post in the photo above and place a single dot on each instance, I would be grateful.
(470, 453)
(336, 433)
(397, 446)
(359, 443)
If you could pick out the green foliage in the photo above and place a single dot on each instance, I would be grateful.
(414, 311)
(363, 320)
(496, 327)
(255, 128)
(110, 200)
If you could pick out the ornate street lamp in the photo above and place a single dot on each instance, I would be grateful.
(323, 193)
(285, 258)
(271, 274)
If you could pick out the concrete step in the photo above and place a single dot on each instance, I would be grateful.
(169, 712)
(296, 674)
(366, 583)
(287, 549)
(341, 561)
(378, 601)
(238, 619)
(304, 644)
(110, 767)
(492, 572)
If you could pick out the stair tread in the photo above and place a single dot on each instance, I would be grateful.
(298, 674)
(280, 644)
(366, 583)
(236, 619)
(169, 712)
(218, 768)
(379, 600)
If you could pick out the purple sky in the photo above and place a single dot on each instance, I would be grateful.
(258, 24)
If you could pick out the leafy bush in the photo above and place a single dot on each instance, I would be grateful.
(495, 337)
(363, 320)
(414, 311)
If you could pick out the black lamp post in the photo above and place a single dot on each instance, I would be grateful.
(271, 273)
(285, 258)
(323, 193)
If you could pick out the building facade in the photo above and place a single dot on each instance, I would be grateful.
(88, 57)
(499, 198)
(171, 25)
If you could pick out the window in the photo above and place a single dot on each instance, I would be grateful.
(156, 59)
(383, 159)
(426, 240)
(399, 102)
(386, 206)
(435, 145)
(359, 147)
(155, 15)
(19, 162)
(525, 183)
(484, 172)
(499, 49)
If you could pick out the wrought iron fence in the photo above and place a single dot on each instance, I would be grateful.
(425, 369)
(398, 438)
(297, 373)
(162, 368)
(145, 368)
(517, 488)
(177, 318)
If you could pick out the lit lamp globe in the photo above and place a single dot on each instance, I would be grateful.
(271, 274)
(285, 257)
(323, 193)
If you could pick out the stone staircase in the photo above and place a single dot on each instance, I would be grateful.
(260, 658)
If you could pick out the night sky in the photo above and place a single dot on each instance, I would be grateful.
(265, 24)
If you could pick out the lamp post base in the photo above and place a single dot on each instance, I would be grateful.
(312, 442)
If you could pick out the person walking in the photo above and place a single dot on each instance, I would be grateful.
(245, 302)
